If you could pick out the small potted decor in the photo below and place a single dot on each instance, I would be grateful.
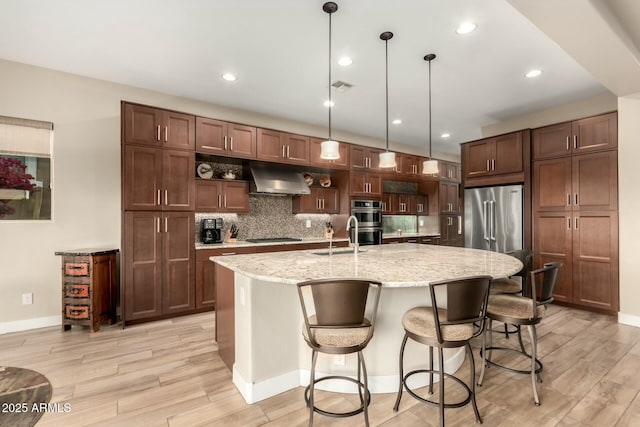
(15, 183)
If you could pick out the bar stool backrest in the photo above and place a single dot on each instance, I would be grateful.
(543, 289)
(467, 300)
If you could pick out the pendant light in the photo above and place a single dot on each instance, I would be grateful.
(430, 166)
(387, 158)
(329, 149)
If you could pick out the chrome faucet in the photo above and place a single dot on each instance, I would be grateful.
(355, 244)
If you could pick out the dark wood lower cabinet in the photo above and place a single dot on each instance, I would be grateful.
(158, 258)
(587, 245)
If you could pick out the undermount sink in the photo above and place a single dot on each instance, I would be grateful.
(337, 251)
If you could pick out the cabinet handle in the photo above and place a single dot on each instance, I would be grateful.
(412, 241)
(567, 142)
(219, 200)
(158, 224)
(568, 199)
(322, 204)
(488, 165)
(575, 223)
(288, 156)
(211, 147)
(158, 133)
(166, 197)
(159, 197)
(568, 223)
(317, 203)
(225, 142)
(166, 133)
(165, 225)
(283, 156)
(225, 200)
(493, 164)
(231, 142)
(384, 206)
(576, 199)
(228, 253)
(575, 141)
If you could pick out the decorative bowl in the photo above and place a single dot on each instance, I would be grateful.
(308, 179)
(229, 175)
(325, 181)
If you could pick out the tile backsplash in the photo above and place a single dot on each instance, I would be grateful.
(269, 216)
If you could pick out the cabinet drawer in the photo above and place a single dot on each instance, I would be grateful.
(77, 312)
(76, 269)
(76, 290)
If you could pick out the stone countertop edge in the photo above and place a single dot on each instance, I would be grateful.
(395, 235)
(88, 251)
(400, 265)
(244, 244)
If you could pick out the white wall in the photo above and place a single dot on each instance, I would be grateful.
(86, 117)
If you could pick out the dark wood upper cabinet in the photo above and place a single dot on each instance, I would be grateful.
(281, 147)
(315, 149)
(362, 157)
(162, 128)
(449, 197)
(448, 171)
(366, 184)
(225, 139)
(321, 200)
(178, 179)
(580, 136)
(494, 156)
(222, 196)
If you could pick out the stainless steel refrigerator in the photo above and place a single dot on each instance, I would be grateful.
(494, 218)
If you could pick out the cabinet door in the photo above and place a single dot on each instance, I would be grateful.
(387, 203)
(179, 130)
(242, 141)
(297, 149)
(142, 124)
(315, 148)
(422, 205)
(142, 177)
(552, 242)
(552, 189)
(404, 204)
(270, 145)
(552, 141)
(178, 180)
(375, 184)
(595, 133)
(205, 280)
(595, 259)
(330, 200)
(307, 203)
(142, 258)
(374, 158)
(211, 136)
(448, 197)
(595, 181)
(235, 196)
(507, 154)
(358, 184)
(358, 157)
(208, 196)
(476, 156)
(178, 263)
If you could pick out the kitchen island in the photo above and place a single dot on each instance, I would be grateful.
(261, 339)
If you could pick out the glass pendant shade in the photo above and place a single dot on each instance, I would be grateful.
(429, 166)
(387, 159)
(329, 150)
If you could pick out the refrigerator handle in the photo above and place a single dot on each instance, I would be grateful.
(492, 205)
(485, 220)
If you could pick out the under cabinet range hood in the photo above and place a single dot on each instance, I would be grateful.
(275, 180)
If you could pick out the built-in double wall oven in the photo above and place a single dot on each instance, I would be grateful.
(369, 216)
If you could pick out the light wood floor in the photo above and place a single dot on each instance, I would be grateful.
(168, 373)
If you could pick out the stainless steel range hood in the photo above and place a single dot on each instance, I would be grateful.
(276, 180)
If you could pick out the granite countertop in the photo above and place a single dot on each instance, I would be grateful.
(243, 243)
(400, 265)
(405, 234)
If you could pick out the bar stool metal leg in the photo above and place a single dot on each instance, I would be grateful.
(312, 382)
(472, 383)
(367, 399)
(430, 370)
(534, 375)
(441, 380)
(401, 379)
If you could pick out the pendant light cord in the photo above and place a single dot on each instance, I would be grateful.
(330, 106)
(386, 60)
(430, 110)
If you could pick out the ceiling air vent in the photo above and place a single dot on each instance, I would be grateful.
(340, 86)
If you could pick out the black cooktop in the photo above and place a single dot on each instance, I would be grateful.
(274, 240)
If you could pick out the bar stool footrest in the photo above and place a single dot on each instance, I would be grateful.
(367, 397)
(539, 366)
(433, 402)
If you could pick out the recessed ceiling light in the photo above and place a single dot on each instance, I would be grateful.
(397, 122)
(230, 77)
(466, 28)
(329, 104)
(533, 73)
(345, 61)
(445, 135)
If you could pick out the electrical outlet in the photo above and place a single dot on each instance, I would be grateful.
(27, 298)
(339, 359)
(308, 223)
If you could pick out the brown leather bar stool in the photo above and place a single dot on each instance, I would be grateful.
(459, 318)
(339, 325)
(522, 310)
(510, 285)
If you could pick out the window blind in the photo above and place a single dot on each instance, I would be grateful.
(24, 137)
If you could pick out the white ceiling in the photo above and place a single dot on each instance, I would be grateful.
(279, 50)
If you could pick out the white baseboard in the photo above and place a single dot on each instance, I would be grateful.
(25, 325)
(255, 392)
(629, 319)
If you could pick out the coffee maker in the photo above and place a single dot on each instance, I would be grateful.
(211, 230)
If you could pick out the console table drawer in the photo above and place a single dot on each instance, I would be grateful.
(77, 312)
(76, 290)
(76, 269)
